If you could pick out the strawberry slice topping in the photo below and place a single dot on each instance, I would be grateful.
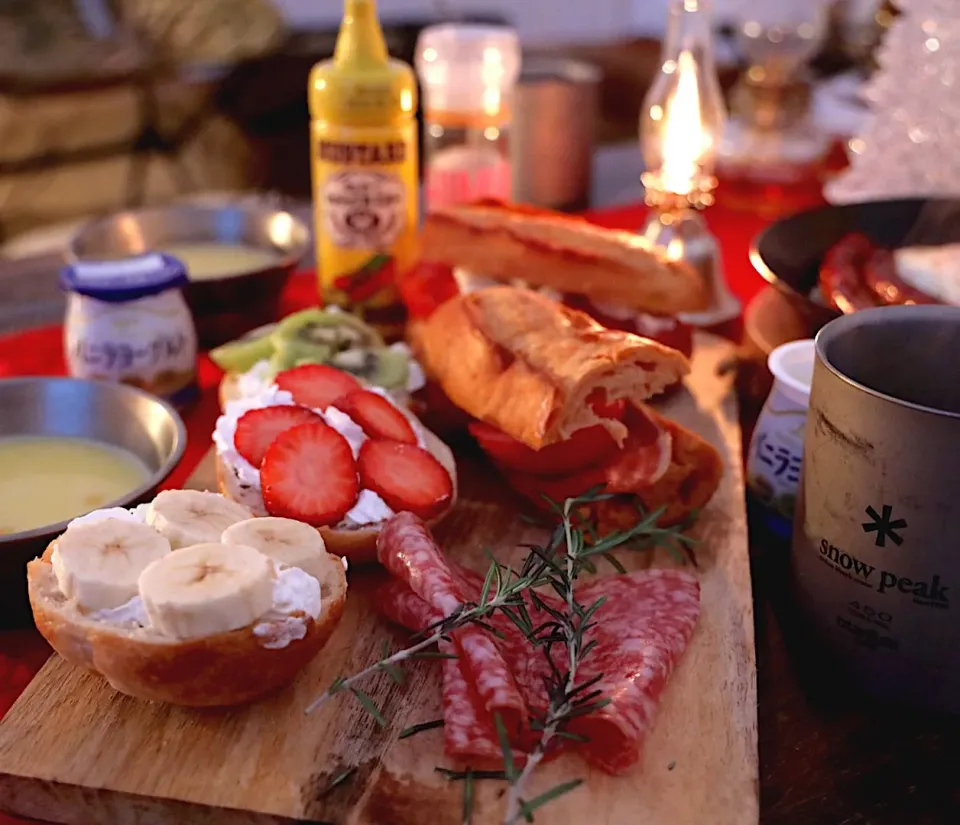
(406, 477)
(316, 385)
(376, 416)
(257, 429)
(309, 474)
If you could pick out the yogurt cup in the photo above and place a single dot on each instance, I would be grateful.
(776, 449)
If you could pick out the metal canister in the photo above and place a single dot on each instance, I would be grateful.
(554, 128)
(875, 556)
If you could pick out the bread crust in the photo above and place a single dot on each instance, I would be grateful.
(527, 365)
(223, 670)
(563, 252)
(359, 545)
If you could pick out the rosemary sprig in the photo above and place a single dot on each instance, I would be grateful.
(570, 551)
(502, 588)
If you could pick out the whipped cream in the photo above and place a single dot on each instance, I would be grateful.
(128, 613)
(255, 380)
(136, 514)
(293, 592)
(369, 508)
(347, 427)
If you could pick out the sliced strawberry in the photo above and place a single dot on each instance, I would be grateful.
(406, 477)
(309, 474)
(316, 385)
(376, 416)
(257, 429)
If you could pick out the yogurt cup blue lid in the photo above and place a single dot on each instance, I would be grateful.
(125, 279)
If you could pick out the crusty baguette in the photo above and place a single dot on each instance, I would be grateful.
(358, 545)
(565, 253)
(217, 671)
(527, 365)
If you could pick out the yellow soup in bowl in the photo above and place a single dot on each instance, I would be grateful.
(46, 479)
(211, 261)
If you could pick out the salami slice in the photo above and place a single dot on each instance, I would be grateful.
(641, 630)
(468, 731)
(406, 548)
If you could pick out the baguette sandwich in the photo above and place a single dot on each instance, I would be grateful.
(188, 600)
(319, 447)
(614, 270)
(559, 402)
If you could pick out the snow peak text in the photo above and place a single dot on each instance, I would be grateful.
(927, 593)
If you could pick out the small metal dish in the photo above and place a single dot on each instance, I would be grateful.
(224, 308)
(788, 254)
(109, 413)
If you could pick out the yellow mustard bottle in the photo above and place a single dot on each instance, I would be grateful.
(363, 142)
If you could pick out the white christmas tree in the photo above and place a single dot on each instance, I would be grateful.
(911, 143)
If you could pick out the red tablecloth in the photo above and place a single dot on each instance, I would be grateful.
(39, 352)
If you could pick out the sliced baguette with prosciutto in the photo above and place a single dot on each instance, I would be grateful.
(520, 361)
(532, 368)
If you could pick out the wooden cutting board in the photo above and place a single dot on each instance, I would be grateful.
(72, 750)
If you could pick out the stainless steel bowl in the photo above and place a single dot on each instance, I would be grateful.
(225, 308)
(113, 414)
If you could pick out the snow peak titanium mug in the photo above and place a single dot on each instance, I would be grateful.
(875, 561)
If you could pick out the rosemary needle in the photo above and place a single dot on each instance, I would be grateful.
(413, 730)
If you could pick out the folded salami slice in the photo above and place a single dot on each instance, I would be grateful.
(641, 631)
(468, 730)
(406, 548)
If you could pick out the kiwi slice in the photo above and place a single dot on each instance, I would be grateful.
(381, 367)
(292, 352)
(333, 331)
(242, 354)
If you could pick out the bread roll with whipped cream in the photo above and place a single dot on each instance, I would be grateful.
(214, 624)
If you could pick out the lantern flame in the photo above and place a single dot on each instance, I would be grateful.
(683, 137)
